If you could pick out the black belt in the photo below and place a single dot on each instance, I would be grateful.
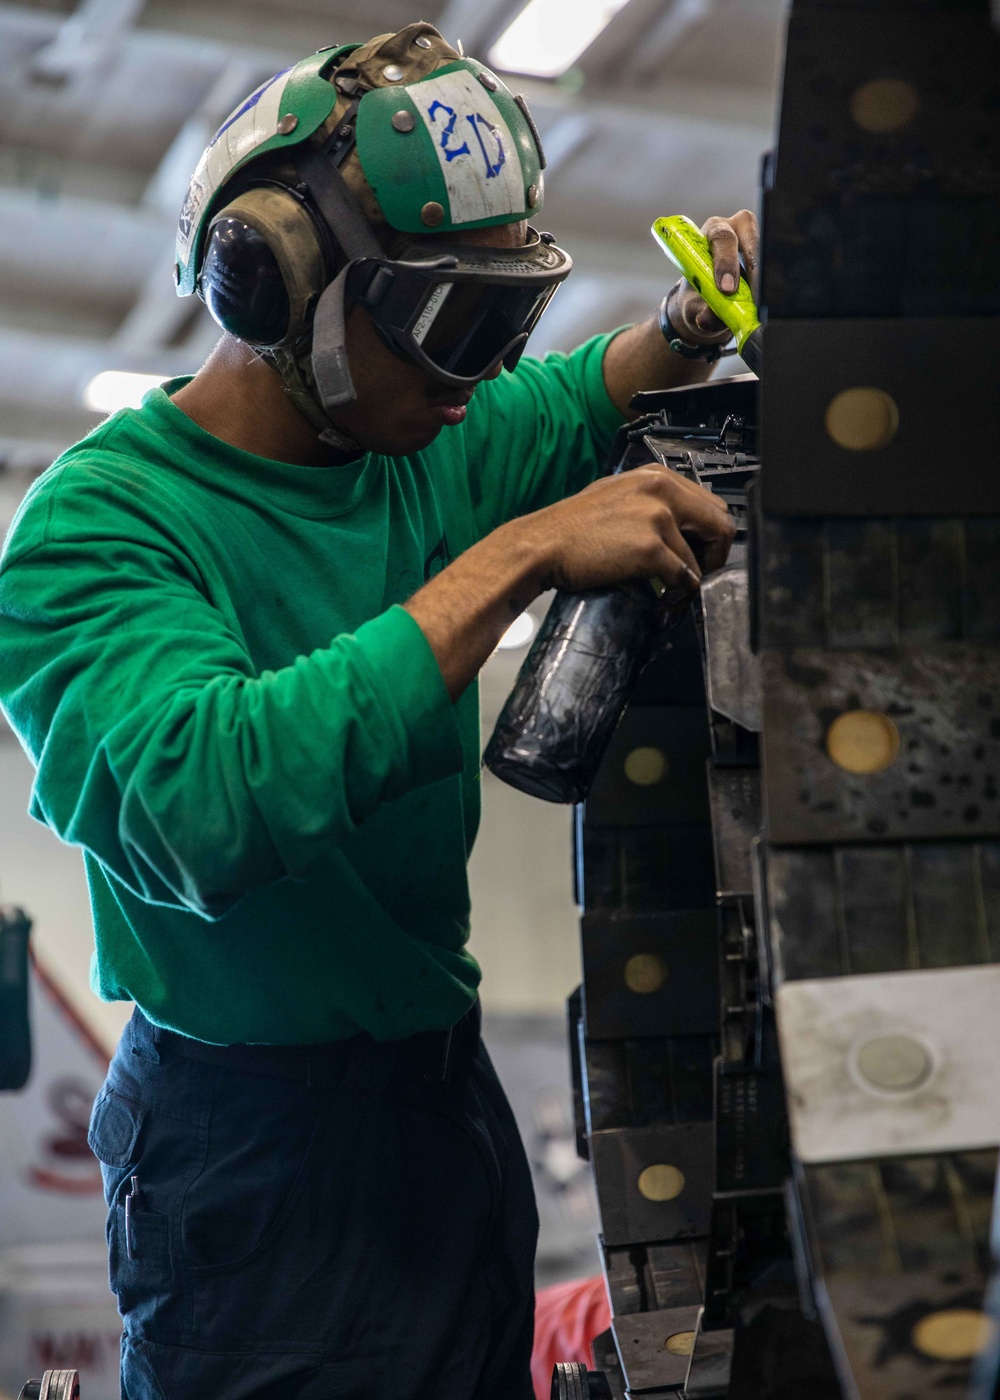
(435, 1055)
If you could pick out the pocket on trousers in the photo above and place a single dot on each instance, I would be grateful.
(138, 1238)
(144, 1251)
(115, 1125)
(253, 1181)
(138, 1259)
(113, 1137)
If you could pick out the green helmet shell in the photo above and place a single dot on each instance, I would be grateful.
(456, 140)
(254, 129)
(465, 148)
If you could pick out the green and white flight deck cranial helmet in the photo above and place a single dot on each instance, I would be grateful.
(319, 192)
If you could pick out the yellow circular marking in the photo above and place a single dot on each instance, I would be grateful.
(645, 973)
(646, 766)
(955, 1334)
(661, 1182)
(862, 419)
(863, 741)
(884, 104)
(680, 1344)
(894, 1062)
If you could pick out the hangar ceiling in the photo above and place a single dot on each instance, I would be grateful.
(106, 106)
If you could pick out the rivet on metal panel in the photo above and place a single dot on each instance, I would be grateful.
(432, 213)
(680, 1344)
(894, 1062)
(884, 104)
(862, 419)
(863, 741)
(287, 124)
(403, 121)
(392, 73)
(422, 41)
(646, 766)
(531, 195)
(954, 1334)
(661, 1182)
(645, 973)
(489, 82)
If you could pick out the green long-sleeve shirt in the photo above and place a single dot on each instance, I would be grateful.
(204, 655)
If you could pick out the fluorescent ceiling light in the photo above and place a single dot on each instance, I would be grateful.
(518, 634)
(113, 389)
(550, 35)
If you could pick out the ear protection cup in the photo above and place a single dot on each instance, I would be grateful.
(263, 267)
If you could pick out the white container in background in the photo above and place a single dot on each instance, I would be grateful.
(56, 1312)
(56, 1309)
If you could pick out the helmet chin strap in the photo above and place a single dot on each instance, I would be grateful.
(297, 376)
(331, 372)
(319, 378)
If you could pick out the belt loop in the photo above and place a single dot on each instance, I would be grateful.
(143, 1037)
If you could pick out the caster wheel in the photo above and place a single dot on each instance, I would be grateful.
(571, 1381)
(54, 1385)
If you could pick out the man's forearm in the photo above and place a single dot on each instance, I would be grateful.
(640, 359)
(637, 525)
(466, 609)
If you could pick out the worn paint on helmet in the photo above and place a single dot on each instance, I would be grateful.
(471, 150)
(249, 132)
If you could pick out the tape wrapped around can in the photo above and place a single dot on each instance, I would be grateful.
(572, 690)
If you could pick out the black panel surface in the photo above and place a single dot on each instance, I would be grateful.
(944, 701)
(680, 733)
(620, 1157)
(678, 948)
(928, 366)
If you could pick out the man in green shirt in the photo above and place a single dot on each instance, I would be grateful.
(240, 629)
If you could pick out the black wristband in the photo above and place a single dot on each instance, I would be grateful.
(708, 353)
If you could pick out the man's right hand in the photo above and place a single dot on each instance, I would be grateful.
(646, 523)
(641, 524)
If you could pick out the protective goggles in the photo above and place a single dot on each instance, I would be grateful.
(459, 310)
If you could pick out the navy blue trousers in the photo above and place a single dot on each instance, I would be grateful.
(367, 1236)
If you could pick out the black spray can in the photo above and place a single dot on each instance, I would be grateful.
(572, 690)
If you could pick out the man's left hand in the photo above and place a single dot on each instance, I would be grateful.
(640, 357)
(731, 240)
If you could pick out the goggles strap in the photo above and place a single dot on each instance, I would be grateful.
(331, 372)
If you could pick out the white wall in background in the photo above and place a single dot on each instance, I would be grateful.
(46, 878)
(525, 927)
(524, 923)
